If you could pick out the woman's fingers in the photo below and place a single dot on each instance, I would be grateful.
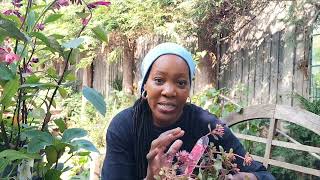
(167, 138)
(174, 148)
(152, 153)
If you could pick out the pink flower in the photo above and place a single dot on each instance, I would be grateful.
(247, 160)
(40, 26)
(11, 57)
(61, 3)
(17, 3)
(98, 3)
(35, 60)
(9, 12)
(85, 21)
(28, 69)
(183, 157)
(7, 56)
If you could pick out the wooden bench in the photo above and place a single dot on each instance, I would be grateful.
(275, 113)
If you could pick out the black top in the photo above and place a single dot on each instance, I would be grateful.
(120, 164)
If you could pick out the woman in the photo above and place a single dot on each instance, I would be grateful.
(162, 123)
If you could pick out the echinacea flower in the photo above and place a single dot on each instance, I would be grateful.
(98, 3)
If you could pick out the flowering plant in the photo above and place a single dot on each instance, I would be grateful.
(210, 162)
(33, 141)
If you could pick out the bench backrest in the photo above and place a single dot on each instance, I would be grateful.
(275, 113)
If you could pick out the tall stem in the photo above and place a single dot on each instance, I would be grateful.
(66, 65)
(3, 129)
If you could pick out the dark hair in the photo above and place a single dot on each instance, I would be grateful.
(142, 125)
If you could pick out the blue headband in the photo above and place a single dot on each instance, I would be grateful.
(162, 49)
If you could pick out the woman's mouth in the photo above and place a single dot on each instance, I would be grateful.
(166, 107)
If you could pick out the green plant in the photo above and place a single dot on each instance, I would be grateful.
(215, 163)
(216, 102)
(32, 139)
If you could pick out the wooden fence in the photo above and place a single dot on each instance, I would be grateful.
(268, 61)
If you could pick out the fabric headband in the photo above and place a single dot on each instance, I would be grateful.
(162, 49)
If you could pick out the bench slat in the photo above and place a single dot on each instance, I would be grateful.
(288, 166)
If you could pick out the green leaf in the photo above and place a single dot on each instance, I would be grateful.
(9, 91)
(38, 113)
(218, 165)
(95, 98)
(32, 79)
(85, 153)
(60, 123)
(70, 77)
(31, 133)
(52, 17)
(58, 36)
(3, 164)
(12, 155)
(52, 174)
(12, 30)
(31, 20)
(75, 55)
(100, 33)
(72, 133)
(14, 19)
(22, 51)
(73, 43)
(82, 15)
(63, 92)
(85, 144)
(51, 154)
(39, 142)
(38, 85)
(52, 72)
(5, 72)
(51, 42)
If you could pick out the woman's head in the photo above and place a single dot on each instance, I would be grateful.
(168, 70)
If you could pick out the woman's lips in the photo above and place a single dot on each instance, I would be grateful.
(166, 107)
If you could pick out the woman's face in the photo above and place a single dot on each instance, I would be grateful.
(168, 88)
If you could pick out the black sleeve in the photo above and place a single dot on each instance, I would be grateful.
(119, 161)
(229, 141)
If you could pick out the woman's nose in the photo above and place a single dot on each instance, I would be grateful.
(169, 90)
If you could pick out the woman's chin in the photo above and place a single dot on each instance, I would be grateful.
(164, 120)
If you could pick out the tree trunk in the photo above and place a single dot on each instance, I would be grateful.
(207, 68)
(127, 64)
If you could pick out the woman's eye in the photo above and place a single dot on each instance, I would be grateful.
(182, 83)
(158, 80)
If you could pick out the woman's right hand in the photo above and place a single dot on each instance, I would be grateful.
(157, 157)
